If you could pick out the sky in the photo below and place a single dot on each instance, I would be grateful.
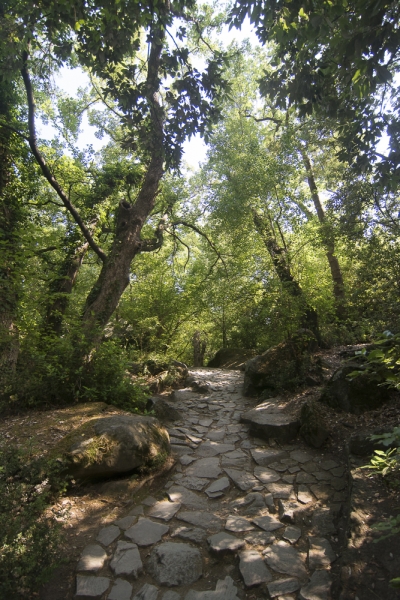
(70, 80)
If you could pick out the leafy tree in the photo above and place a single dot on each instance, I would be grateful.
(338, 59)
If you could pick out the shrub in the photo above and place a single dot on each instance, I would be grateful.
(29, 538)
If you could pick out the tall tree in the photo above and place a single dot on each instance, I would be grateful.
(155, 119)
(339, 59)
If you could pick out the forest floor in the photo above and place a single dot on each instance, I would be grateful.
(363, 568)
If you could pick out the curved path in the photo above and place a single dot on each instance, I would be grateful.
(239, 518)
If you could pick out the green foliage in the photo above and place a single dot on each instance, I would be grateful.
(30, 538)
(387, 462)
(383, 363)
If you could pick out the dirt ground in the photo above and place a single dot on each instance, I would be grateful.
(365, 566)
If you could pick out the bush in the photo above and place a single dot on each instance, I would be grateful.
(29, 539)
(48, 375)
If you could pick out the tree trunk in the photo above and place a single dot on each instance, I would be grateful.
(279, 256)
(199, 349)
(336, 273)
(10, 255)
(61, 288)
(115, 273)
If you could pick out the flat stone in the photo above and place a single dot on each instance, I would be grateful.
(304, 495)
(269, 423)
(232, 439)
(320, 553)
(253, 499)
(243, 464)
(181, 450)
(137, 510)
(193, 534)
(149, 501)
(322, 475)
(294, 469)
(318, 588)
(283, 558)
(175, 563)
(280, 490)
(328, 464)
(292, 534)
(310, 467)
(288, 511)
(126, 560)
(282, 587)
(107, 535)
(216, 435)
(91, 587)
(301, 456)
(205, 422)
(238, 524)
(146, 532)
(205, 467)
(126, 522)
(243, 480)
(224, 542)
(267, 523)
(265, 456)
(200, 518)
(148, 592)
(266, 475)
(218, 487)
(259, 538)
(164, 510)
(194, 483)
(170, 595)
(303, 477)
(224, 590)
(278, 466)
(338, 483)
(322, 521)
(322, 491)
(121, 590)
(210, 448)
(252, 568)
(179, 493)
(185, 459)
(92, 558)
(288, 478)
(338, 472)
(235, 454)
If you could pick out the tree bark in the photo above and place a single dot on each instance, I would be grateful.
(61, 288)
(279, 256)
(114, 276)
(10, 256)
(336, 273)
(199, 349)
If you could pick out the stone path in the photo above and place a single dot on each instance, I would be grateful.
(240, 517)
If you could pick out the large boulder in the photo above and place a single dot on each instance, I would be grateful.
(230, 358)
(267, 420)
(114, 445)
(282, 367)
(354, 394)
(162, 409)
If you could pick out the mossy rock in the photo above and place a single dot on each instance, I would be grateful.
(113, 445)
(283, 367)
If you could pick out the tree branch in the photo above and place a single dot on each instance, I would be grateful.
(45, 169)
(204, 235)
(157, 242)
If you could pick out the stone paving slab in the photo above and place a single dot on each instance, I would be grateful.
(272, 507)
